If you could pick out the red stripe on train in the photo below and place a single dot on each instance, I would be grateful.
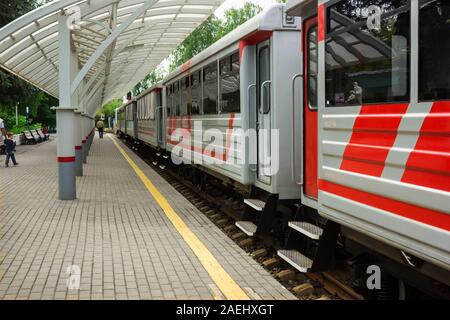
(428, 164)
(321, 22)
(213, 154)
(252, 40)
(374, 134)
(430, 217)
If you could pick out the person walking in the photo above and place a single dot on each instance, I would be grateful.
(101, 128)
(10, 148)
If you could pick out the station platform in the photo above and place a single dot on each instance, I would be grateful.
(129, 233)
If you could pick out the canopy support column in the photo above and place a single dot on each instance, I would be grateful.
(65, 119)
(65, 116)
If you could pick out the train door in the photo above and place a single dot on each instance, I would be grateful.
(263, 121)
(160, 121)
(310, 107)
(135, 123)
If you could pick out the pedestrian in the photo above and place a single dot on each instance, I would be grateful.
(101, 128)
(10, 146)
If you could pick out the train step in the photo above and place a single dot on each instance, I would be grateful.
(158, 154)
(256, 204)
(308, 229)
(248, 227)
(296, 259)
(166, 157)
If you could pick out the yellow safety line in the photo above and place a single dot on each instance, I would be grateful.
(223, 280)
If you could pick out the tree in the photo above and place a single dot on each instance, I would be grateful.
(14, 90)
(236, 17)
(149, 81)
(211, 31)
(201, 38)
(109, 109)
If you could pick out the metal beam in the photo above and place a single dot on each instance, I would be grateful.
(108, 41)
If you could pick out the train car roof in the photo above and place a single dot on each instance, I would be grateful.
(270, 19)
(152, 88)
(126, 104)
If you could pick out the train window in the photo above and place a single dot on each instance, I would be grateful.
(434, 50)
(150, 100)
(185, 88)
(142, 105)
(312, 67)
(196, 91)
(230, 94)
(139, 109)
(159, 98)
(367, 52)
(130, 112)
(176, 99)
(169, 99)
(210, 89)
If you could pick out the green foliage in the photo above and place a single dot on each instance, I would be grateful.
(12, 9)
(23, 126)
(236, 17)
(211, 31)
(201, 38)
(14, 90)
(150, 80)
(109, 109)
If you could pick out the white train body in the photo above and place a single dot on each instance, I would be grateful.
(383, 159)
(196, 94)
(363, 144)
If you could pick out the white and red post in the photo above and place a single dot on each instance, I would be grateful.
(66, 118)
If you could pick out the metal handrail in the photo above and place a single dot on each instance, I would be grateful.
(261, 107)
(248, 106)
(293, 158)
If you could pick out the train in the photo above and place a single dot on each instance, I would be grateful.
(332, 120)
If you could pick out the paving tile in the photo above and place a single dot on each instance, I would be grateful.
(114, 232)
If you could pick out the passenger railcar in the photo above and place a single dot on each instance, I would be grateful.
(150, 117)
(125, 122)
(360, 108)
(120, 121)
(376, 108)
(222, 88)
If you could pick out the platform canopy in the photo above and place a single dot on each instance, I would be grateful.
(115, 43)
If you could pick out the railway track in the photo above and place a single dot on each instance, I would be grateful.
(223, 210)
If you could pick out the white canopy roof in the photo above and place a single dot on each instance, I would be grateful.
(116, 43)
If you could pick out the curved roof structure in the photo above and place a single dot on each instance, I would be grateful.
(115, 43)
